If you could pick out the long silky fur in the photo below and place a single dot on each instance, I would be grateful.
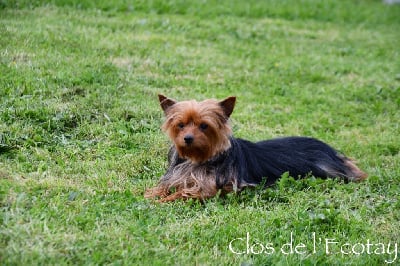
(248, 164)
(223, 163)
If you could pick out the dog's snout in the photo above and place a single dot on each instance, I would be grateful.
(188, 139)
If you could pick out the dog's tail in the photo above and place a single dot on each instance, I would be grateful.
(343, 167)
(353, 173)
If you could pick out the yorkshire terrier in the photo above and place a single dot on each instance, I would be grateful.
(206, 158)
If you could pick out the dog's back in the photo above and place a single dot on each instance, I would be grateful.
(299, 156)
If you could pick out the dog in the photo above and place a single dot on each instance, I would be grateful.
(205, 158)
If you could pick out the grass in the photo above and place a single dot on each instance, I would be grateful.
(80, 138)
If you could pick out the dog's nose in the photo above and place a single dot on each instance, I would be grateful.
(188, 139)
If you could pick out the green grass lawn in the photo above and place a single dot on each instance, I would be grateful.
(80, 136)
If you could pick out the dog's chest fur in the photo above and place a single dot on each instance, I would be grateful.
(219, 173)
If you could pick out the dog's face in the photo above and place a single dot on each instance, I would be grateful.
(199, 130)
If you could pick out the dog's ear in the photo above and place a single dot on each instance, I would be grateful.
(227, 105)
(165, 102)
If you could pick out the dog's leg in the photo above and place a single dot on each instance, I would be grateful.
(156, 192)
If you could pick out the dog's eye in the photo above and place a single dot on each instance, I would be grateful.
(181, 125)
(203, 126)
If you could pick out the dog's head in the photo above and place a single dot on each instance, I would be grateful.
(199, 130)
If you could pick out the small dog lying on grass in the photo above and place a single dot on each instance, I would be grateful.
(206, 158)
